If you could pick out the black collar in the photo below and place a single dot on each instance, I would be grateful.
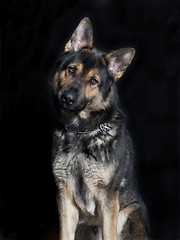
(102, 128)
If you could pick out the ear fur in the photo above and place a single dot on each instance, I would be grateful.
(118, 61)
(82, 37)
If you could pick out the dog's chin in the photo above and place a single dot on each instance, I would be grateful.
(71, 109)
(74, 115)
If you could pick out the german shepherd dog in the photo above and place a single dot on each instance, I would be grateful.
(92, 150)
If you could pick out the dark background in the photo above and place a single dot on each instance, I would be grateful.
(33, 34)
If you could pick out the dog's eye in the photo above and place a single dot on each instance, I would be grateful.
(93, 81)
(71, 70)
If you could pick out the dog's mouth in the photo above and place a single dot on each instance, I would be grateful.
(75, 109)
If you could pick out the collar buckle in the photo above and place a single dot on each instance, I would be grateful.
(104, 128)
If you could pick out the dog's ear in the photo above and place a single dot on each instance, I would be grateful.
(82, 37)
(118, 61)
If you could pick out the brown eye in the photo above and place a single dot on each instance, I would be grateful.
(71, 70)
(93, 81)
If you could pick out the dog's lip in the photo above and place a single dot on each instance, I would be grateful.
(71, 108)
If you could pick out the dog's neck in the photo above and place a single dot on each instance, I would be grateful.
(96, 121)
(80, 122)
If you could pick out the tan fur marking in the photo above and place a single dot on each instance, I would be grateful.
(87, 50)
(68, 216)
(97, 105)
(118, 75)
(91, 90)
(54, 82)
(78, 66)
(139, 229)
(94, 72)
(109, 217)
(123, 216)
(66, 78)
(97, 175)
(68, 46)
(103, 61)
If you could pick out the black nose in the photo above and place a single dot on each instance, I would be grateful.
(68, 99)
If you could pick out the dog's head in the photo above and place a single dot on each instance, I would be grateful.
(84, 78)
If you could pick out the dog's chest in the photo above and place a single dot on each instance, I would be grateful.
(72, 158)
(82, 173)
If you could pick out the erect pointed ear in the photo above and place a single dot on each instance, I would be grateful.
(82, 37)
(118, 61)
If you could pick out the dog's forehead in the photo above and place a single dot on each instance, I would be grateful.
(89, 60)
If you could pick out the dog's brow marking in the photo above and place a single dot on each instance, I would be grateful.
(94, 72)
(103, 61)
(78, 65)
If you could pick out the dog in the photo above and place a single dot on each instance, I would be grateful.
(93, 156)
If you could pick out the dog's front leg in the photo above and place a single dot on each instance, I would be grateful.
(68, 216)
(109, 210)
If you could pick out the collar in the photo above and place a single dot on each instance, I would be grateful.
(102, 128)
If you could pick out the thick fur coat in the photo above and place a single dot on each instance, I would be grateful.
(93, 157)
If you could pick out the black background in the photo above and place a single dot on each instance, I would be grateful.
(33, 34)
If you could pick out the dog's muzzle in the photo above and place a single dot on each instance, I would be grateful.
(69, 101)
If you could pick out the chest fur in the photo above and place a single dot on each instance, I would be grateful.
(82, 171)
(76, 165)
(74, 156)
